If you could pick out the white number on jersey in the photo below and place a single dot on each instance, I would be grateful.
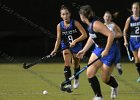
(70, 38)
(137, 29)
(92, 35)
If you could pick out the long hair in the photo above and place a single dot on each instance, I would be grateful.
(87, 11)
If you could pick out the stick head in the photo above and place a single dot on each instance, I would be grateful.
(62, 88)
(132, 59)
(24, 66)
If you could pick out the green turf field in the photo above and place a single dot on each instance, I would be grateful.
(19, 84)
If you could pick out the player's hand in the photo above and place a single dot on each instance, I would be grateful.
(53, 53)
(72, 44)
(125, 44)
(80, 54)
(104, 53)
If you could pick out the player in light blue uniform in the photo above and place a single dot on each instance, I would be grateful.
(133, 22)
(105, 46)
(69, 34)
(114, 27)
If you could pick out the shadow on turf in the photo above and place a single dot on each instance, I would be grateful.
(44, 79)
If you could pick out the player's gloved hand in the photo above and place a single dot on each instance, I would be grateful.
(80, 54)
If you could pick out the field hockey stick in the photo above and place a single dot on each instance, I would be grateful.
(76, 74)
(129, 56)
(26, 66)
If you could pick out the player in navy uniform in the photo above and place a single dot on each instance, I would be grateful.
(114, 27)
(105, 46)
(69, 33)
(133, 23)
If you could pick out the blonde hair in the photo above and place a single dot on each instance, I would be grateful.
(136, 3)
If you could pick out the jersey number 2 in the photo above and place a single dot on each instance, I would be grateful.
(137, 30)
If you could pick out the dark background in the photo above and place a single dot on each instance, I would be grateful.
(20, 38)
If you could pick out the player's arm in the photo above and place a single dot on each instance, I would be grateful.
(100, 27)
(89, 43)
(82, 31)
(82, 52)
(118, 32)
(58, 39)
(125, 31)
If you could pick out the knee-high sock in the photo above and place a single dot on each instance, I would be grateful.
(138, 67)
(95, 85)
(112, 82)
(75, 71)
(67, 73)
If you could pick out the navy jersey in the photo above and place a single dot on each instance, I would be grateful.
(98, 38)
(69, 33)
(134, 26)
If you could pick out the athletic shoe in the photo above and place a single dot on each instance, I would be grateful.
(114, 92)
(119, 68)
(138, 80)
(98, 98)
(76, 83)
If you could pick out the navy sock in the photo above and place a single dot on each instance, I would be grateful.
(112, 82)
(138, 67)
(75, 71)
(95, 85)
(67, 73)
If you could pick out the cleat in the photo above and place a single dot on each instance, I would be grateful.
(119, 68)
(76, 83)
(114, 92)
(138, 80)
(98, 98)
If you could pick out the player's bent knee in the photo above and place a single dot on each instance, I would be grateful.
(105, 79)
(90, 75)
(139, 54)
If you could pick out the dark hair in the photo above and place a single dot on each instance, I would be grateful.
(113, 15)
(64, 7)
(87, 11)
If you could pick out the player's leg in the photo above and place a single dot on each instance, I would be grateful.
(76, 65)
(137, 63)
(107, 70)
(139, 53)
(110, 80)
(119, 68)
(118, 58)
(91, 74)
(117, 62)
(67, 63)
(134, 47)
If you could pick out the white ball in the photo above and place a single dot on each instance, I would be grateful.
(45, 92)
